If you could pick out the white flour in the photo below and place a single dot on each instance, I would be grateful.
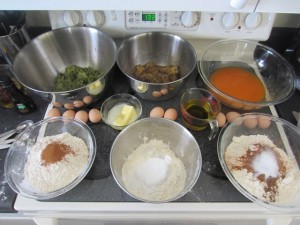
(153, 172)
(262, 168)
(51, 177)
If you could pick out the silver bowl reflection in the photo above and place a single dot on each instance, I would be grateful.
(162, 49)
(39, 62)
(180, 140)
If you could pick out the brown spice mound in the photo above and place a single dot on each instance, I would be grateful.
(246, 162)
(151, 72)
(55, 152)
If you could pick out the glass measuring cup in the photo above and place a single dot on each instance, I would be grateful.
(199, 108)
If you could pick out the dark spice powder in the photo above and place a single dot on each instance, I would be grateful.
(55, 152)
(247, 161)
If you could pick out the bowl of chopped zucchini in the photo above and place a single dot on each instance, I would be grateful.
(67, 64)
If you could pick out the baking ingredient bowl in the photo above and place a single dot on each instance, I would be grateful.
(39, 62)
(120, 110)
(246, 75)
(145, 157)
(34, 163)
(259, 153)
(156, 49)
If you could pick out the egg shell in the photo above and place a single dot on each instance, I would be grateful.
(263, 122)
(232, 115)
(78, 103)
(250, 122)
(221, 119)
(157, 112)
(87, 100)
(69, 113)
(54, 112)
(171, 114)
(69, 106)
(156, 94)
(164, 91)
(57, 104)
(95, 115)
(82, 115)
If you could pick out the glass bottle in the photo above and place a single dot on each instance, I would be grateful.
(22, 102)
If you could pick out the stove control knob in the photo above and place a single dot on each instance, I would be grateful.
(72, 18)
(253, 20)
(238, 4)
(230, 20)
(95, 18)
(190, 19)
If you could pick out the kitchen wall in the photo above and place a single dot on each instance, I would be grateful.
(40, 19)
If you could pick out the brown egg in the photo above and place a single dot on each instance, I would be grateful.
(82, 115)
(157, 112)
(263, 122)
(156, 94)
(250, 122)
(171, 114)
(57, 104)
(69, 113)
(87, 100)
(232, 115)
(221, 119)
(164, 91)
(95, 115)
(78, 103)
(54, 112)
(69, 106)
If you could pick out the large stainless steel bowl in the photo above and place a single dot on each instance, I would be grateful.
(39, 62)
(162, 49)
(179, 139)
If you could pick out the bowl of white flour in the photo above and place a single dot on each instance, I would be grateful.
(50, 158)
(155, 160)
(259, 153)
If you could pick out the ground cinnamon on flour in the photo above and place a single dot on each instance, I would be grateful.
(55, 152)
(55, 161)
(262, 168)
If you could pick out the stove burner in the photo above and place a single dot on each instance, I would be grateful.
(104, 138)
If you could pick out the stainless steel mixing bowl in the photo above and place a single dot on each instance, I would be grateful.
(39, 62)
(162, 49)
(179, 139)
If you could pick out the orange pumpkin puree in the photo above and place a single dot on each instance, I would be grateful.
(239, 83)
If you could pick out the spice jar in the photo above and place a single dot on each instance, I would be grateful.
(10, 94)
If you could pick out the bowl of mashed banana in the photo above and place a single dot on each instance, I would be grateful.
(157, 64)
(259, 153)
(50, 158)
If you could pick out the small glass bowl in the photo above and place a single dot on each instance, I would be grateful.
(119, 99)
(283, 134)
(17, 155)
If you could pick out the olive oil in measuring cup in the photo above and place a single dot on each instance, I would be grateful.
(198, 108)
(197, 115)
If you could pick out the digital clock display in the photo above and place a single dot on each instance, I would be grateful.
(148, 17)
